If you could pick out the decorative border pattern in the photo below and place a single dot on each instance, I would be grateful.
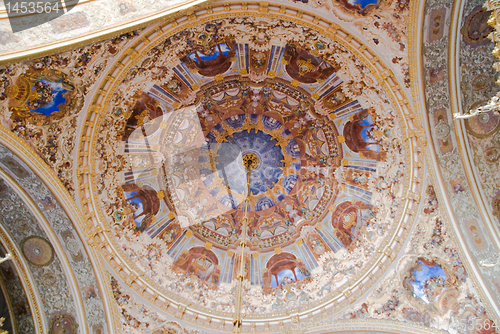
(26, 279)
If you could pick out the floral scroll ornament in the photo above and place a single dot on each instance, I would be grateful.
(493, 104)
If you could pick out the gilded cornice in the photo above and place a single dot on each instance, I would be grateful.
(97, 35)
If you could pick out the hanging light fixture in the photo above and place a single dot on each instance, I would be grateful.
(492, 105)
(250, 162)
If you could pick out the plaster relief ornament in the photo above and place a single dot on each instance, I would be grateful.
(40, 99)
(63, 323)
(431, 285)
(326, 189)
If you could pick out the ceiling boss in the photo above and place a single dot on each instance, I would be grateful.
(259, 169)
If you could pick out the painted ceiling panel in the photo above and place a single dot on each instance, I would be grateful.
(453, 84)
(347, 220)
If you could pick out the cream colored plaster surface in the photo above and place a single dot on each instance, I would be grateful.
(85, 22)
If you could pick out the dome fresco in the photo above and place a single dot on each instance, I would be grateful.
(326, 192)
(370, 208)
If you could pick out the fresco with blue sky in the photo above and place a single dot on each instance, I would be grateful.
(137, 206)
(365, 133)
(362, 3)
(50, 95)
(427, 281)
(287, 273)
(223, 46)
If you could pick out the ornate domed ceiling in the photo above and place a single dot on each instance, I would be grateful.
(346, 223)
(327, 198)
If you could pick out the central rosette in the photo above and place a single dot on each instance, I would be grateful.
(276, 168)
(269, 167)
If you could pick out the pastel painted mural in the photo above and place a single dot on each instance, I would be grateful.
(357, 212)
(318, 172)
(428, 281)
(41, 95)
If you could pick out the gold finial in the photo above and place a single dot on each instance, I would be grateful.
(250, 161)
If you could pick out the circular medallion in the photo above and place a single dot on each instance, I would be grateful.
(63, 324)
(72, 245)
(483, 118)
(228, 148)
(483, 124)
(37, 251)
(49, 279)
(11, 91)
(442, 130)
(250, 161)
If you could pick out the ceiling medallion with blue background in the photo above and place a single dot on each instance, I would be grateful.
(273, 178)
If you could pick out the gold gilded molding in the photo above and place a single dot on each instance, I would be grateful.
(417, 75)
(52, 240)
(97, 35)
